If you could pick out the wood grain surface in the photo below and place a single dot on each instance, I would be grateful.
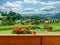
(29, 40)
(20, 40)
(51, 40)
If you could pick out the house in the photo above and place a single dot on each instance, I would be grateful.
(48, 28)
(42, 21)
(24, 21)
(17, 21)
(47, 21)
(28, 19)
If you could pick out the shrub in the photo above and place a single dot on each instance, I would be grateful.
(10, 22)
(36, 23)
(3, 23)
(29, 32)
(20, 31)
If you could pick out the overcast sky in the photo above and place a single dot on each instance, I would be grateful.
(31, 6)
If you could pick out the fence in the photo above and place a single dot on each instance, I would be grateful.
(30, 40)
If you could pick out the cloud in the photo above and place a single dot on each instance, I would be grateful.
(50, 5)
(2, 7)
(54, 3)
(47, 8)
(15, 6)
(31, 1)
(28, 10)
(38, 7)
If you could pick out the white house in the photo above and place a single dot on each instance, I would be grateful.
(17, 21)
(24, 21)
(46, 21)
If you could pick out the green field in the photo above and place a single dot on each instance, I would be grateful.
(8, 29)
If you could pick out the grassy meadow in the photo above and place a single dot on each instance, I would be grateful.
(8, 29)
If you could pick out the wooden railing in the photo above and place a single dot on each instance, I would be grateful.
(29, 40)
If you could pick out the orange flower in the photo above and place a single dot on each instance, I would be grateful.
(27, 28)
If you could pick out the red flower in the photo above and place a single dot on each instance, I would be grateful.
(34, 32)
(27, 28)
(19, 29)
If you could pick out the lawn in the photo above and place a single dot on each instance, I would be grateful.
(8, 29)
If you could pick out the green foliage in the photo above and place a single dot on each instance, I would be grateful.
(14, 17)
(4, 19)
(4, 14)
(3, 23)
(27, 22)
(35, 17)
(0, 18)
(19, 16)
(8, 17)
(12, 13)
(22, 23)
(29, 32)
(7, 22)
(10, 22)
(23, 32)
(36, 23)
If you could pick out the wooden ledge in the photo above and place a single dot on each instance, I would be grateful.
(29, 35)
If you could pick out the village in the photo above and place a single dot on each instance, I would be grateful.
(32, 20)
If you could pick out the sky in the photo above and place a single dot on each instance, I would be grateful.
(31, 6)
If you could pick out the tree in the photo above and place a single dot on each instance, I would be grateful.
(10, 22)
(35, 17)
(4, 21)
(14, 15)
(11, 13)
(4, 14)
(8, 17)
(19, 16)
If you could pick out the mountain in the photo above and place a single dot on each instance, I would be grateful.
(56, 16)
(53, 16)
(38, 15)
